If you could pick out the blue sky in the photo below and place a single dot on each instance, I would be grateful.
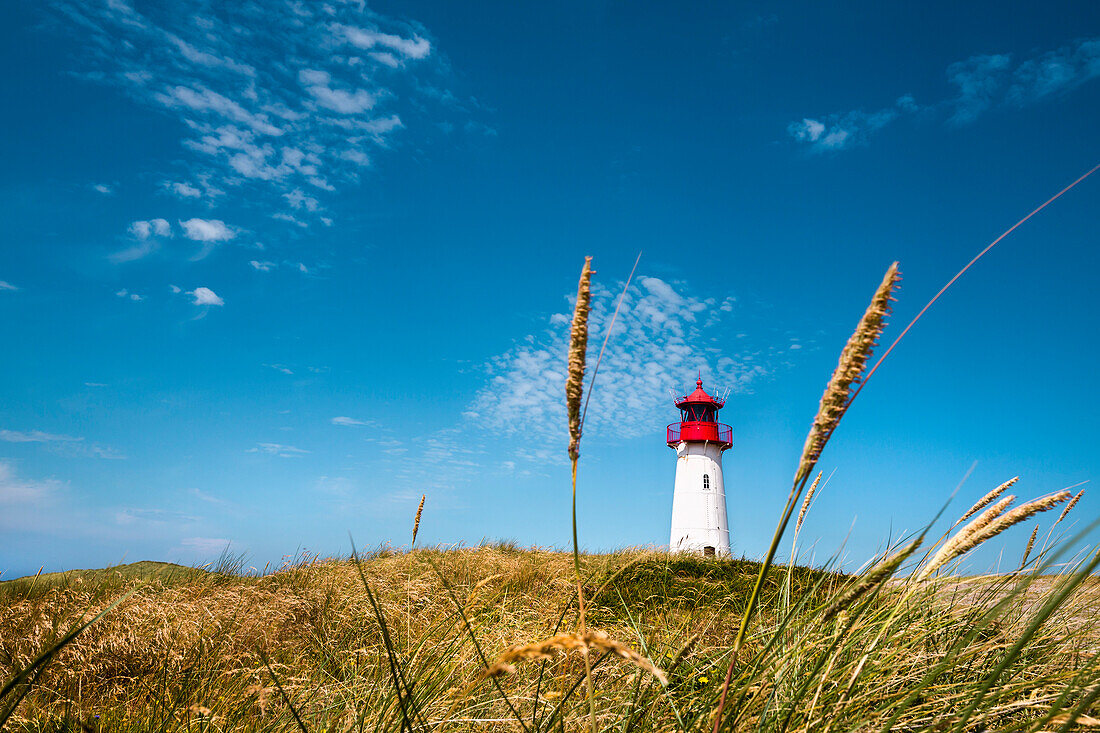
(271, 271)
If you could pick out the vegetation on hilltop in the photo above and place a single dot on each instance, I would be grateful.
(211, 652)
(104, 580)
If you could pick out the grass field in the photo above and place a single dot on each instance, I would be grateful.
(209, 651)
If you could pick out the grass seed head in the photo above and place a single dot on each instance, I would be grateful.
(987, 499)
(965, 539)
(1030, 544)
(806, 502)
(1023, 513)
(416, 520)
(870, 580)
(591, 640)
(578, 345)
(848, 372)
(1069, 507)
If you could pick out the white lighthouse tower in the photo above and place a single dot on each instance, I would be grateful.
(699, 521)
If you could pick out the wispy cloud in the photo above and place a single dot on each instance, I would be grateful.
(987, 81)
(268, 266)
(279, 96)
(15, 490)
(981, 83)
(203, 496)
(836, 132)
(183, 190)
(146, 236)
(103, 188)
(152, 517)
(663, 337)
(35, 436)
(348, 421)
(205, 296)
(70, 445)
(205, 546)
(277, 449)
(5, 285)
(124, 293)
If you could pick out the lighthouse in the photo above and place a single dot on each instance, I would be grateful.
(699, 521)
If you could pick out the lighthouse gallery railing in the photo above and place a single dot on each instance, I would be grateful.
(714, 432)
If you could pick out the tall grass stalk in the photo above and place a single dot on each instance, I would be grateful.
(574, 387)
(834, 403)
(574, 390)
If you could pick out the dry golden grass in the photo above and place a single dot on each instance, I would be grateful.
(192, 651)
(174, 648)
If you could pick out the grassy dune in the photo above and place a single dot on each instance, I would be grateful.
(103, 579)
(210, 651)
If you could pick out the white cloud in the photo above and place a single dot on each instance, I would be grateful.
(348, 421)
(807, 130)
(103, 188)
(207, 230)
(183, 190)
(280, 368)
(14, 490)
(146, 229)
(5, 285)
(35, 436)
(415, 47)
(262, 266)
(205, 296)
(276, 96)
(201, 99)
(386, 58)
(277, 449)
(356, 156)
(146, 233)
(318, 83)
(124, 293)
(837, 132)
(299, 200)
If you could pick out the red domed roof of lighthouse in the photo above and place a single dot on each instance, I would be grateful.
(699, 396)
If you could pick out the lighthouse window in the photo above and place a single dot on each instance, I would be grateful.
(706, 481)
(698, 413)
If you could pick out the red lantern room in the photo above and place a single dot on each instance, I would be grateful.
(699, 420)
